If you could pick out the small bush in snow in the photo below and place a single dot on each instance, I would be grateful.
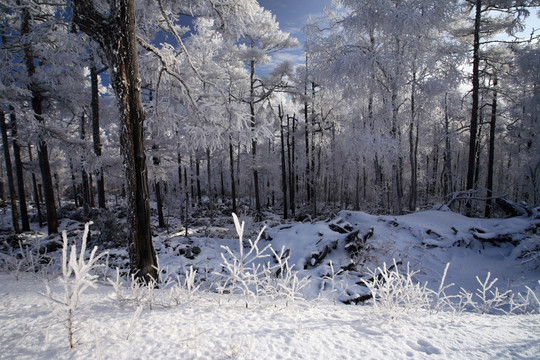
(395, 292)
(76, 278)
(241, 270)
(246, 274)
(26, 258)
(137, 293)
(184, 291)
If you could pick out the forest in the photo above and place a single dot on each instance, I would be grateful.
(390, 136)
(399, 105)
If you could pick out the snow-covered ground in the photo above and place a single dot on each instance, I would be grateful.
(208, 330)
(174, 322)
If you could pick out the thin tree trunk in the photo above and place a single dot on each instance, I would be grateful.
(233, 182)
(43, 152)
(9, 173)
(191, 180)
(491, 153)
(413, 195)
(157, 186)
(94, 105)
(283, 165)
(313, 180)
(258, 208)
(25, 222)
(447, 172)
(179, 163)
(306, 130)
(198, 178)
(84, 174)
(291, 155)
(475, 95)
(35, 189)
(396, 200)
(210, 190)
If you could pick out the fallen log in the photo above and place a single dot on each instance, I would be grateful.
(511, 208)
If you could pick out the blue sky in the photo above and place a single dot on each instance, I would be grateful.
(292, 15)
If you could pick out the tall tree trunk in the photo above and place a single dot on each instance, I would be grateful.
(9, 173)
(478, 151)
(43, 152)
(306, 130)
(475, 95)
(283, 165)
(157, 186)
(94, 105)
(313, 179)
(233, 182)
(291, 156)
(258, 208)
(396, 200)
(84, 174)
(35, 189)
(491, 152)
(198, 178)
(210, 190)
(413, 195)
(448, 181)
(74, 184)
(19, 172)
(116, 36)
(191, 180)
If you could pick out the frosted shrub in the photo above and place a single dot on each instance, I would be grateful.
(242, 272)
(184, 291)
(76, 278)
(246, 274)
(137, 293)
(330, 279)
(280, 280)
(489, 299)
(394, 292)
(439, 299)
(27, 258)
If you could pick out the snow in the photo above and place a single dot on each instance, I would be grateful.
(311, 330)
(213, 325)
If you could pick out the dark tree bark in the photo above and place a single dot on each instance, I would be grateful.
(283, 165)
(233, 182)
(115, 34)
(84, 174)
(43, 152)
(210, 190)
(94, 105)
(9, 173)
(198, 175)
(447, 183)
(471, 165)
(157, 186)
(25, 222)
(491, 151)
(258, 208)
(35, 189)
(413, 147)
(191, 180)
(179, 162)
(291, 155)
(74, 184)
